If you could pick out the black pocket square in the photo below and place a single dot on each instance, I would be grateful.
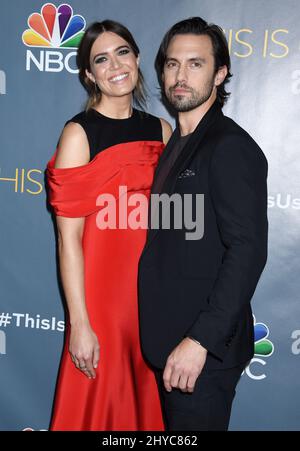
(186, 173)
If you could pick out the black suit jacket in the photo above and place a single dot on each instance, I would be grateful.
(203, 288)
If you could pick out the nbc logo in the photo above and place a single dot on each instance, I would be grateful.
(262, 348)
(56, 28)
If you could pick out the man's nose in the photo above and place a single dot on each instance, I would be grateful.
(181, 75)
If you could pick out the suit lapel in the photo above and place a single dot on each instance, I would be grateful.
(191, 147)
(185, 156)
(167, 150)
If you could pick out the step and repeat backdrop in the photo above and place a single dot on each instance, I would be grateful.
(40, 91)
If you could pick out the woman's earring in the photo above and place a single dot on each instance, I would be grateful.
(96, 86)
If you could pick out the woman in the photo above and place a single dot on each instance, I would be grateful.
(106, 384)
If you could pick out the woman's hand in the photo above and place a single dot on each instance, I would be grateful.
(84, 349)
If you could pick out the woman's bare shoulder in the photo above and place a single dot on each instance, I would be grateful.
(73, 147)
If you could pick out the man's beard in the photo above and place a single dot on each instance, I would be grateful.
(184, 103)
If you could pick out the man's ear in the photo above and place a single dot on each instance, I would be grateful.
(221, 75)
(90, 76)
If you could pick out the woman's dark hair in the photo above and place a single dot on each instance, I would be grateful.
(198, 26)
(83, 60)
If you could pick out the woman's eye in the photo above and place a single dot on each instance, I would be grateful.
(124, 51)
(100, 60)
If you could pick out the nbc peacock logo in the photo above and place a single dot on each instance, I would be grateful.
(262, 346)
(55, 27)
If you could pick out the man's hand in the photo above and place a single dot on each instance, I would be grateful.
(184, 365)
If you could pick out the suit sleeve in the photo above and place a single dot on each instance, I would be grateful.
(238, 186)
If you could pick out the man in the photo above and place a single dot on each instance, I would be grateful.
(195, 314)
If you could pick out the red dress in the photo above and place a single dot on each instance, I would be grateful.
(124, 395)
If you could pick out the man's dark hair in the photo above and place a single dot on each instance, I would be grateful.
(198, 26)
